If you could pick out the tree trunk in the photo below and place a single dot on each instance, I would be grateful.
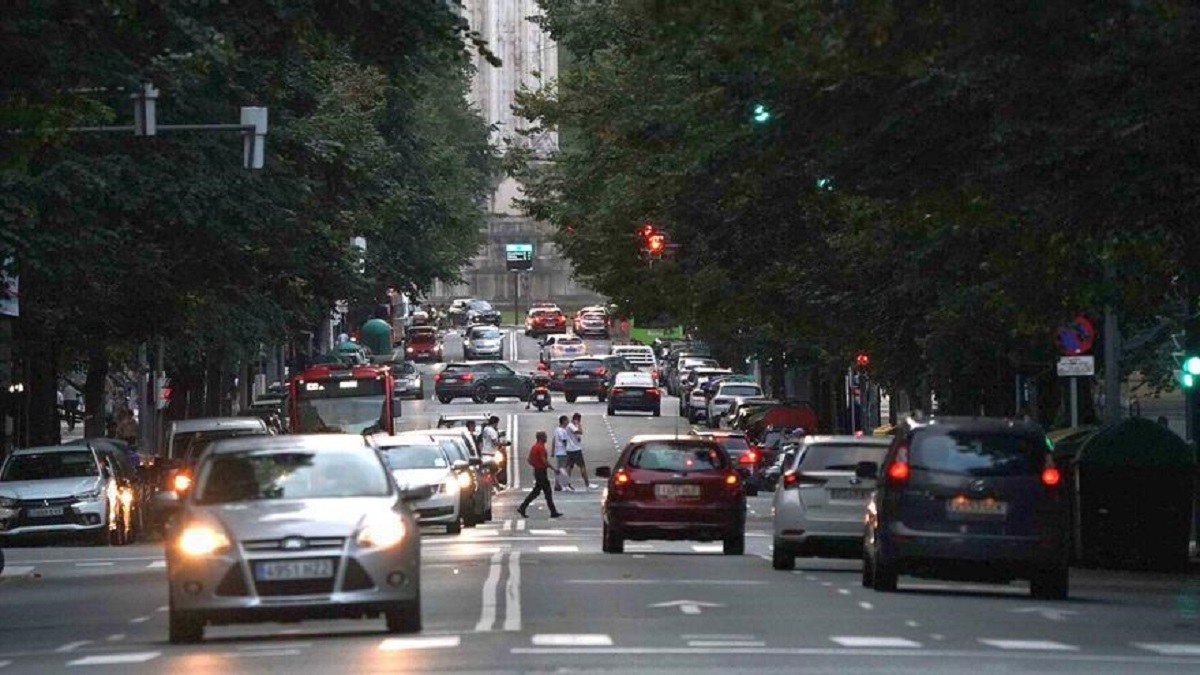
(41, 380)
(95, 389)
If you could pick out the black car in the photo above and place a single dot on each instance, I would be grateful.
(482, 382)
(968, 499)
(482, 311)
(589, 376)
(634, 391)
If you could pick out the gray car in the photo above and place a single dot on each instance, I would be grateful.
(819, 501)
(483, 342)
(280, 528)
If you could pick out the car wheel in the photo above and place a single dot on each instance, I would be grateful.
(571, 398)
(445, 398)
(404, 617)
(1050, 584)
(611, 542)
(487, 515)
(602, 396)
(611, 412)
(454, 528)
(184, 627)
(480, 394)
(781, 559)
(658, 412)
(735, 545)
(883, 575)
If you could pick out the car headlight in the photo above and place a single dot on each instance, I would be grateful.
(90, 495)
(8, 502)
(199, 540)
(464, 479)
(383, 532)
(450, 486)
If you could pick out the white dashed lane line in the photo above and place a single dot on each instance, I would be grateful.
(115, 659)
(431, 642)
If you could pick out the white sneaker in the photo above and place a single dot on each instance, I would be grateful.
(593, 486)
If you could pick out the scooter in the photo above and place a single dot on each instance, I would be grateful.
(540, 398)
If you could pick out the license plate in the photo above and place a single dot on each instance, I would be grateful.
(849, 494)
(450, 379)
(965, 507)
(581, 377)
(45, 512)
(288, 570)
(671, 491)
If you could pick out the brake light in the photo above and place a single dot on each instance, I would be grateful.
(181, 483)
(898, 471)
(601, 371)
(653, 392)
(437, 378)
(790, 480)
(621, 478)
(1051, 476)
(467, 377)
(793, 478)
(731, 479)
(748, 457)
(618, 390)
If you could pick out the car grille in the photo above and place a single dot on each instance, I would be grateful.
(277, 544)
(295, 587)
(68, 516)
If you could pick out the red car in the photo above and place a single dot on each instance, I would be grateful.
(423, 344)
(673, 487)
(545, 322)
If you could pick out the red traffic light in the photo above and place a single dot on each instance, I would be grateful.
(862, 359)
(655, 243)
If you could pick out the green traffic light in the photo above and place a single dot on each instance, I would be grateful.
(1187, 380)
(1191, 365)
(761, 113)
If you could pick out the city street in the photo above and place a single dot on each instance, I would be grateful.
(535, 595)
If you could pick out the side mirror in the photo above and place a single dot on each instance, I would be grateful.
(459, 465)
(603, 472)
(867, 470)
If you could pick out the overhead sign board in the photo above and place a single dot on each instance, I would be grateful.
(1076, 366)
(518, 256)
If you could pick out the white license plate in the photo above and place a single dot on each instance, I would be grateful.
(288, 570)
(849, 494)
(45, 512)
(671, 491)
(582, 376)
(450, 379)
(962, 506)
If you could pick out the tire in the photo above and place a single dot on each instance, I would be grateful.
(658, 411)
(781, 559)
(883, 576)
(868, 579)
(611, 412)
(735, 545)
(404, 617)
(445, 398)
(1051, 584)
(184, 628)
(480, 394)
(611, 542)
(454, 528)
(487, 516)
(602, 396)
(571, 398)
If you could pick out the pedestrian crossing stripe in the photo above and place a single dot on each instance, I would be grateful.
(115, 659)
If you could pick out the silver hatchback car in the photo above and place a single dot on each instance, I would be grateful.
(820, 502)
(289, 528)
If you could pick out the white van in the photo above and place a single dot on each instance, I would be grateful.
(641, 356)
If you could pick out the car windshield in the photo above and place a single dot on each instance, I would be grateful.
(481, 305)
(416, 456)
(676, 457)
(406, 368)
(741, 390)
(839, 456)
(454, 450)
(300, 474)
(485, 334)
(50, 465)
(452, 422)
(557, 366)
(977, 454)
(363, 414)
(422, 337)
(187, 445)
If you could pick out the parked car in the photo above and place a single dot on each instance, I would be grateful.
(409, 383)
(483, 342)
(137, 470)
(968, 498)
(673, 487)
(423, 343)
(689, 406)
(481, 381)
(422, 467)
(634, 390)
(545, 321)
(482, 311)
(562, 346)
(286, 528)
(819, 506)
(77, 490)
(477, 500)
(586, 376)
(723, 394)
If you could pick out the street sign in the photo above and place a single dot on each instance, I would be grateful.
(1076, 366)
(518, 256)
(1076, 337)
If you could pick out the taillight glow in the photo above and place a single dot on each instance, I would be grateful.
(1051, 476)
(467, 377)
(618, 390)
(731, 479)
(898, 471)
(790, 479)
(437, 378)
(181, 483)
(653, 392)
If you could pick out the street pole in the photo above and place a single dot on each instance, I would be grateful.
(1112, 367)
(516, 295)
(1075, 401)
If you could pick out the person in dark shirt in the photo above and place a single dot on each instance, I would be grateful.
(541, 479)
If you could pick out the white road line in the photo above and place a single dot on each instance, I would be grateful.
(157, 564)
(876, 642)
(114, 659)
(708, 548)
(572, 640)
(139, 619)
(431, 642)
(717, 636)
(513, 450)
(680, 582)
(866, 605)
(94, 564)
(639, 547)
(4, 664)
(274, 651)
(484, 534)
(726, 643)
(16, 571)
(512, 593)
(1031, 645)
(508, 526)
(639, 556)
(164, 608)
(72, 646)
(520, 525)
(558, 549)
(843, 591)
(547, 533)
(487, 614)
(911, 624)
(115, 637)
(1170, 648)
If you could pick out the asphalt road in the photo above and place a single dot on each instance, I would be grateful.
(536, 595)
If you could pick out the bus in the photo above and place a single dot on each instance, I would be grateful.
(337, 398)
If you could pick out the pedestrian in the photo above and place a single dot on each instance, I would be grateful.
(541, 479)
(70, 404)
(562, 439)
(474, 433)
(575, 450)
(126, 428)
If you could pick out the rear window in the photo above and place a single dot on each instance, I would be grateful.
(484, 334)
(423, 456)
(839, 456)
(680, 457)
(587, 364)
(568, 341)
(461, 368)
(741, 390)
(735, 446)
(977, 454)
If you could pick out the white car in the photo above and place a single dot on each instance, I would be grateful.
(692, 403)
(820, 500)
(718, 404)
(641, 356)
(562, 346)
(420, 463)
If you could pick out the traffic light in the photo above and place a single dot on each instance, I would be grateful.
(761, 114)
(1190, 374)
(655, 244)
(862, 360)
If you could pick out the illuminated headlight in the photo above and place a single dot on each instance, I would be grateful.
(199, 540)
(409, 350)
(499, 457)
(90, 495)
(382, 532)
(449, 486)
(464, 480)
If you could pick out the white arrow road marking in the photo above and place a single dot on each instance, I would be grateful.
(688, 606)
(1051, 613)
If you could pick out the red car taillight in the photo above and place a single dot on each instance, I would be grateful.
(748, 457)
(437, 378)
(621, 483)
(617, 390)
(1051, 476)
(467, 377)
(794, 479)
(653, 392)
(601, 371)
(733, 482)
(898, 471)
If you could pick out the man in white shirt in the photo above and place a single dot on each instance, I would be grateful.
(490, 445)
(562, 441)
(575, 450)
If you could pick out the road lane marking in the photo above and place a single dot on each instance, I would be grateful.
(717, 636)
(94, 564)
(508, 526)
(431, 642)
(547, 532)
(72, 646)
(115, 637)
(875, 642)
(681, 582)
(164, 608)
(1031, 645)
(968, 657)
(912, 624)
(1170, 648)
(515, 469)
(558, 549)
(512, 593)
(866, 605)
(4, 664)
(521, 526)
(487, 614)
(726, 643)
(139, 619)
(639, 547)
(157, 564)
(843, 591)
(572, 640)
(16, 571)
(708, 548)
(114, 659)
(273, 651)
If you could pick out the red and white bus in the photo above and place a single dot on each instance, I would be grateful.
(334, 398)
